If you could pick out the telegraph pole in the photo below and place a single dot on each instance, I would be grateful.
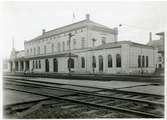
(69, 62)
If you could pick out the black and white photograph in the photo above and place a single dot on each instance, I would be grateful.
(83, 59)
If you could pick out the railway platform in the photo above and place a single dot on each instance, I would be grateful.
(142, 87)
(11, 97)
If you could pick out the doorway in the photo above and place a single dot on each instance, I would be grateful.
(100, 63)
(46, 65)
(55, 65)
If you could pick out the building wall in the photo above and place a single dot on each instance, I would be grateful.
(133, 61)
(129, 61)
(57, 41)
(83, 34)
(99, 35)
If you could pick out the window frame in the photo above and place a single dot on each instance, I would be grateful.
(110, 64)
(118, 61)
(82, 62)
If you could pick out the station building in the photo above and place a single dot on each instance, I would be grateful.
(83, 47)
(160, 45)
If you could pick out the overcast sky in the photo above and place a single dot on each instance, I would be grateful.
(25, 20)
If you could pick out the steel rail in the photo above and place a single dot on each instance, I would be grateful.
(147, 115)
(95, 94)
(114, 89)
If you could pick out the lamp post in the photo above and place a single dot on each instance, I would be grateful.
(93, 64)
(69, 64)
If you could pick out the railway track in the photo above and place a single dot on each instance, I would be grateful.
(141, 105)
(62, 107)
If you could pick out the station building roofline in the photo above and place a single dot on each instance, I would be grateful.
(67, 28)
(118, 44)
(47, 56)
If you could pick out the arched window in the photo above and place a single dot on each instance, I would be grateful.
(93, 61)
(139, 61)
(101, 63)
(46, 65)
(109, 61)
(143, 60)
(70, 63)
(22, 65)
(16, 66)
(82, 62)
(118, 60)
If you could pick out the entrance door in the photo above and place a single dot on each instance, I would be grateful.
(101, 63)
(55, 65)
(46, 65)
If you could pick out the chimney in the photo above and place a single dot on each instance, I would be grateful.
(43, 31)
(87, 17)
(150, 36)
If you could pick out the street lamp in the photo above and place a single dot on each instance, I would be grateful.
(69, 64)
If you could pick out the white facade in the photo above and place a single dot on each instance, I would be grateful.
(50, 52)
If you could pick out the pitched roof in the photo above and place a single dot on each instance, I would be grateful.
(118, 44)
(70, 27)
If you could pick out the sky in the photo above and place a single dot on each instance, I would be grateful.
(25, 20)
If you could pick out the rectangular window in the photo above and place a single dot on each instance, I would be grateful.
(63, 46)
(27, 52)
(83, 43)
(59, 47)
(34, 51)
(38, 50)
(139, 61)
(103, 41)
(68, 43)
(74, 43)
(52, 48)
(143, 61)
(31, 51)
(82, 62)
(33, 64)
(36, 64)
(44, 49)
(146, 61)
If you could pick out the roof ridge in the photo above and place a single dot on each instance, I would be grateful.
(100, 24)
(66, 25)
